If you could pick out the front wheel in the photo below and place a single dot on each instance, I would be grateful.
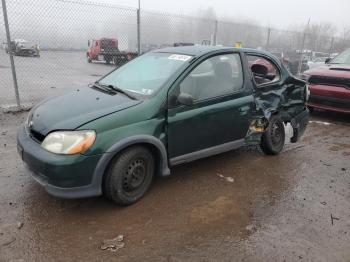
(129, 176)
(272, 141)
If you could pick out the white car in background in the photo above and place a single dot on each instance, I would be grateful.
(317, 62)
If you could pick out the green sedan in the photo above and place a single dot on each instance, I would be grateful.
(164, 108)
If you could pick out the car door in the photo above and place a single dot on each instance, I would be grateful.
(218, 118)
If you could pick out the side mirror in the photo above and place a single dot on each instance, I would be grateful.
(327, 60)
(185, 99)
(88, 43)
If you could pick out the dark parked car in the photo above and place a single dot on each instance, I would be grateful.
(181, 104)
(330, 84)
(21, 47)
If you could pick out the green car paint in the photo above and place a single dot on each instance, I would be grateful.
(174, 133)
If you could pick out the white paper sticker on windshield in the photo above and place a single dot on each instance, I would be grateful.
(179, 57)
(147, 91)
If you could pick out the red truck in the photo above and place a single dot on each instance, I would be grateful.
(329, 85)
(106, 49)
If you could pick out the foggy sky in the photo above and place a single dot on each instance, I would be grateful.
(278, 13)
(64, 24)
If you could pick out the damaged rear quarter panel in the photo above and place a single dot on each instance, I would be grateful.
(285, 97)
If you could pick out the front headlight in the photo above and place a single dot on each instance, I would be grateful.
(69, 142)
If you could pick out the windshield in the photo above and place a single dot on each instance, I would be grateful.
(147, 73)
(342, 58)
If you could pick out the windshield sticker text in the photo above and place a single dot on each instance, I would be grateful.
(146, 91)
(179, 57)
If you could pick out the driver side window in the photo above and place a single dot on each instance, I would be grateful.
(263, 70)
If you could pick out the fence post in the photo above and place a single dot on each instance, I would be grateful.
(331, 47)
(13, 69)
(302, 48)
(268, 38)
(139, 29)
(215, 35)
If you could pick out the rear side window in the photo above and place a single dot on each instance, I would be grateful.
(263, 70)
(216, 76)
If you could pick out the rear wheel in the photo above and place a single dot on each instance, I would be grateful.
(272, 141)
(129, 176)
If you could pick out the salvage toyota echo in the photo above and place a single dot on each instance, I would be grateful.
(166, 107)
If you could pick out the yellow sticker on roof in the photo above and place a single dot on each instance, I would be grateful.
(179, 57)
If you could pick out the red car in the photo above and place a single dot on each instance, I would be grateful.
(329, 85)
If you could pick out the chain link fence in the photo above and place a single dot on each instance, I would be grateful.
(61, 45)
(50, 42)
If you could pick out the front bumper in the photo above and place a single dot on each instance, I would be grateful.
(65, 176)
(330, 98)
(329, 103)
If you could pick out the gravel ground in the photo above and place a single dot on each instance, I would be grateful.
(237, 206)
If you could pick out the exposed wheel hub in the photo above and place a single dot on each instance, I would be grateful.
(134, 175)
(276, 134)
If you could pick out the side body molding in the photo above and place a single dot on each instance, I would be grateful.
(113, 150)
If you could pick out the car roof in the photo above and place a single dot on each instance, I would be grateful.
(199, 50)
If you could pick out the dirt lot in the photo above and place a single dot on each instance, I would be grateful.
(291, 207)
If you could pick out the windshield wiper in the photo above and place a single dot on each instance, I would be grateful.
(115, 89)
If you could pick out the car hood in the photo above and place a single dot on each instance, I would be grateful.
(72, 110)
(330, 70)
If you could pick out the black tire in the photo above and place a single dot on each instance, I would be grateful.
(89, 60)
(108, 59)
(116, 61)
(129, 175)
(272, 141)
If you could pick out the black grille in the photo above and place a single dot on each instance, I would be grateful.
(332, 81)
(36, 136)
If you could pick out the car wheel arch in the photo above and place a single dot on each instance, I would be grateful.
(156, 147)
